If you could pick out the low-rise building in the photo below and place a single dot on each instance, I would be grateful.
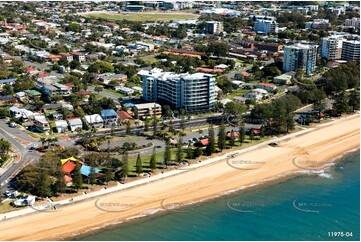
(256, 94)
(78, 56)
(94, 120)
(41, 124)
(61, 126)
(269, 87)
(9, 81)
(110, 117)
(283, 79)
(147, 110)
(75, 124)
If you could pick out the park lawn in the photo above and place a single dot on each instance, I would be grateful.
(143, 17)
(160, 155)
(5, 207)
(235, 93)
(149, 59)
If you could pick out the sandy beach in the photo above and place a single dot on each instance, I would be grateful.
(303, 153)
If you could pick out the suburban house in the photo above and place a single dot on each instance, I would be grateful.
(74, 123)
(256, 94)
(78, 56)
(41, 124)
(66, 56)
(61, 126)
(284, 79)
(9, 81)
(147, 110)
(109, 117)
(94, 120)
(269, 87)
(124, 116)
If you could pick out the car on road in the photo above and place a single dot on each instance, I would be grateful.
(12, 124)
(158, 146)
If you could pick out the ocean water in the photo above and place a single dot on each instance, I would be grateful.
(303, 208)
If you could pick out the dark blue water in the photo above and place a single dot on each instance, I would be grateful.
(304, 208)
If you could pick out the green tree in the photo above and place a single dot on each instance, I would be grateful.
(232, 140)
(241, 135)
(251, 135)
(179, 154)
(198, 152)
(125, 165)
(59, 186)
(98, 89)
(127, 128)
(74, 27)
(77, 177)
(155, 122)
(211, 147)
(153, 161)
(222, 136)
(167, 153)
(92, 176)
(341, 103)
(42, 186)
(190, 152)
(354, 100)
(138, 165)
(320, 102)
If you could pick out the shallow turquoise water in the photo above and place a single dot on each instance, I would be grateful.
(304, 208)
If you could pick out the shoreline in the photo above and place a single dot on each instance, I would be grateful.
(335, 138)
(261, 185)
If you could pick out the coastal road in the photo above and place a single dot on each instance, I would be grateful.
(14, 136)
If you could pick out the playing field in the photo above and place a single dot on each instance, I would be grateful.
(143, 17)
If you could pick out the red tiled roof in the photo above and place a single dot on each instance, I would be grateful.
(43, 75)
(30, 69)
(235, 134)
(124, 115)
(246, 74)
(204, 142)
(266, 84)
(69, 84)
(67, 179)
(68, 167)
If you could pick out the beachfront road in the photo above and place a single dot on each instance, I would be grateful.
(14, 136)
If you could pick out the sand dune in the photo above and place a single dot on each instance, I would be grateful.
(299, 154)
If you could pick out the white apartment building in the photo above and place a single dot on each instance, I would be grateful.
(265, 26)
(331, 47)
(192, 92)
(300, 56)
(353, 22)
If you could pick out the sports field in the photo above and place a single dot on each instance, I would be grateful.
(143, 16)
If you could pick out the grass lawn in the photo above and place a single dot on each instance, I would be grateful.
(143, 17)
(235, 93)
(5, 207)
(160, 155)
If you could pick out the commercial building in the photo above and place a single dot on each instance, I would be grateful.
(331, 47)
(191, 92)
(265, 26)
(300, 56)
(213, 27)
